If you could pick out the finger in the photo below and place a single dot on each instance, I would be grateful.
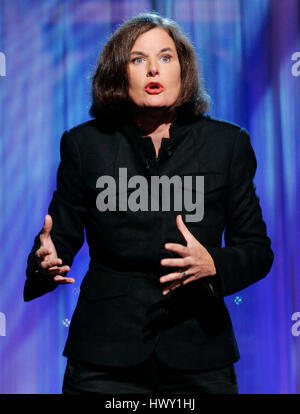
(42, 252)
(47, 264)
(187, 261)
(174, 276)
(58, 270)
(178, 248)
(47, 227)
(179, 283)
(183, 229)
(173, 286)
(50, 274)
(52, 262)
(63, 280)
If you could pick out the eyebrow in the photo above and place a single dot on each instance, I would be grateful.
(165, 49)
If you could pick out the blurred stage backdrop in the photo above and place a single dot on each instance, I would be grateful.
(249, 51)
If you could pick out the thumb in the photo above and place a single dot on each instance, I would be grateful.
(47, 227)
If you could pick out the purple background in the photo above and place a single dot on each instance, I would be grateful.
(245, 50)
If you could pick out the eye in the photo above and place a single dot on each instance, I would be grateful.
(166, 58)
(137, 60)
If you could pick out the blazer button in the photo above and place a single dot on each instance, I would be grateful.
(169, 152)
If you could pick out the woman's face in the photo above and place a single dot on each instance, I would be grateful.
(154, 70)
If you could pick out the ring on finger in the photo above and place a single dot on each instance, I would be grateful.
(184, 275)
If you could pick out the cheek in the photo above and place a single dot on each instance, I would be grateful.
(134, 78)
(176, 82)
(175, 77)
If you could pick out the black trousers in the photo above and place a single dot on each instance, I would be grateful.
(152, 376)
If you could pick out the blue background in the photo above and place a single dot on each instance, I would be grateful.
(245, 51)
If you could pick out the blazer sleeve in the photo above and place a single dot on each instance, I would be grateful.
(67, 210)
(247, 256)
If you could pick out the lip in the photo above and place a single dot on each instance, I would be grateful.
(154, 88)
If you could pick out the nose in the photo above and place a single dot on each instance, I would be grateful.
(152, 69)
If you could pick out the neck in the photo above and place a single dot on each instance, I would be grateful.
(153, 120)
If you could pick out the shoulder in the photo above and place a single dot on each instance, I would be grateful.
(84, 128)
(92, 142)
(88, 132)
(235, 137)
(218, 132)
(211, 124)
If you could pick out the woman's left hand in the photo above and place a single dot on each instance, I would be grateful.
(196, 262)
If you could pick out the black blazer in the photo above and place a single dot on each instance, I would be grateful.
(121, 316)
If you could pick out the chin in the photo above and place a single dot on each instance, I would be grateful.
(157, 104)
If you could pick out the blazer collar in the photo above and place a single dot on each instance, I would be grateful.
(178, 131)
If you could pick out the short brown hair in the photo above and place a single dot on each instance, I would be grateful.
(110, 80)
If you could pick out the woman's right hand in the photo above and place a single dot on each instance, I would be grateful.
(46, 256)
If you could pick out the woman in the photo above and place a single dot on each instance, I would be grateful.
(151, 314)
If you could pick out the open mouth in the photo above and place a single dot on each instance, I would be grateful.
(154, 88)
